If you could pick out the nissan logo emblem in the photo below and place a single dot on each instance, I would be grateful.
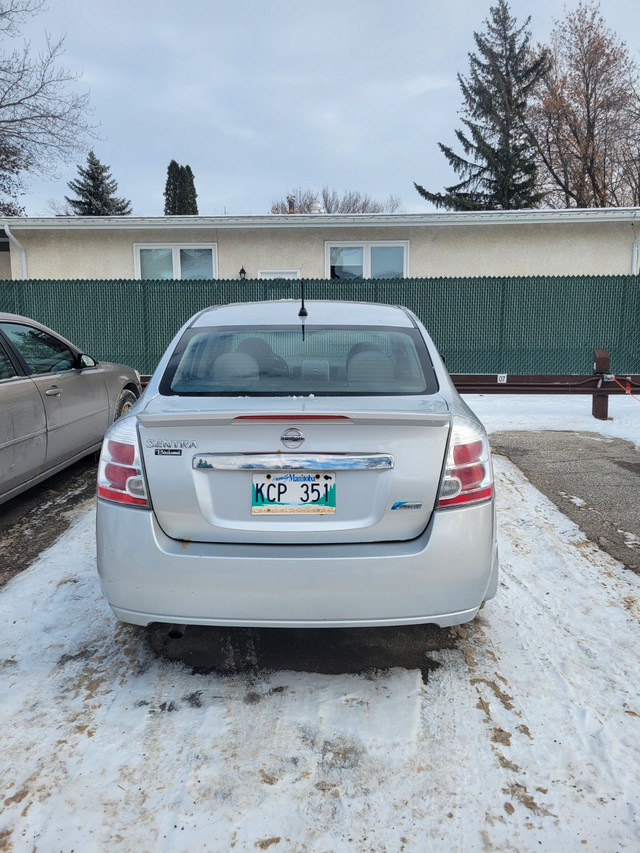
(292, 437)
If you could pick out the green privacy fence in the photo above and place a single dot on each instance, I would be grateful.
(481, 325)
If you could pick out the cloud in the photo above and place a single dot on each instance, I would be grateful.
(425, 84)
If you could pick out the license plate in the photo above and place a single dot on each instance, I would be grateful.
(293, 492)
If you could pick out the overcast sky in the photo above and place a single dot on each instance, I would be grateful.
(263, 96)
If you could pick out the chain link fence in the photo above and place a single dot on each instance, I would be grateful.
(537, 325)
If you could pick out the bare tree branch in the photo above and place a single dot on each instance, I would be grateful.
(14, 12)
(329, 201)
(42, 118)
(585, 115)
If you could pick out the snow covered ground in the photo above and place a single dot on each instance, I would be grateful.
(527, 737)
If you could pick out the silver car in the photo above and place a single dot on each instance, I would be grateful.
(55, 402)
(294, 466)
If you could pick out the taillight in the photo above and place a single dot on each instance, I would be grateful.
(468, 474)
(120, 475)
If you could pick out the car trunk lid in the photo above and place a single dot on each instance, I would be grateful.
(294, 470)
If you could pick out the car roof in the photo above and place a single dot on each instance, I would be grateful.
(285, 312)
(5, 317)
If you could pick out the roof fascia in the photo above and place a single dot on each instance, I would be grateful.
(397, 220)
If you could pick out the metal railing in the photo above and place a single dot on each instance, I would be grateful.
(600, 384)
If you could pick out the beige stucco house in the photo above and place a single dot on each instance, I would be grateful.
(425, 245)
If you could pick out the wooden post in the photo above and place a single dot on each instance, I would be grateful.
(600, 402)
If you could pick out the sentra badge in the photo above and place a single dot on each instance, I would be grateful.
(171, 443)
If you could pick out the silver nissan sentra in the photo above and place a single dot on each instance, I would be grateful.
(295, 465)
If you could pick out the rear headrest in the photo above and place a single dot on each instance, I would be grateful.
(235, 368)
(369, 366)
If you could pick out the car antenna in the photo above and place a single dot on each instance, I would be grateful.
(303, 311)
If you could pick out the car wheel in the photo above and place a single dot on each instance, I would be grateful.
(125, 401)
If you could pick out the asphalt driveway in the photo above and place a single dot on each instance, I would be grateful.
(593, 480)
(31, 522)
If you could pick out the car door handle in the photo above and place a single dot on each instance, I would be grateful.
(53, 392)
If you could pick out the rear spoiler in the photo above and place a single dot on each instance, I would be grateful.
(362, 418)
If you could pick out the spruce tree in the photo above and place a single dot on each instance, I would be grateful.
(180, 191)
(96, 190)
(498, 164)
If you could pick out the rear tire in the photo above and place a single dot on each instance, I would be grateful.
(125, 401)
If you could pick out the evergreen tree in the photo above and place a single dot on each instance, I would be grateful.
(95, 190)
(171, 189)
(189, 193)
(498, 165)
(180, 191)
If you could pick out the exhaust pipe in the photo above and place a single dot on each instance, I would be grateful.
(176, 632)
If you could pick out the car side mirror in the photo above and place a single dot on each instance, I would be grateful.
(87, 361)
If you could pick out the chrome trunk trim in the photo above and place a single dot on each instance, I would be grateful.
(292, 461)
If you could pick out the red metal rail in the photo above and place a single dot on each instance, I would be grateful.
(601, 384)
(476, 383)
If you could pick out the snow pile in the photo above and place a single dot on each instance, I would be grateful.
(533, 412)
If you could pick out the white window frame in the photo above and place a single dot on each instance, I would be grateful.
(366, 246)
(175, 256)
(271, 274)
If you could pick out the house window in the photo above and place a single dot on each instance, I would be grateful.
(186, 263)
(366, 260)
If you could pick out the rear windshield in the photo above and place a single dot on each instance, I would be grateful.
(285, 362)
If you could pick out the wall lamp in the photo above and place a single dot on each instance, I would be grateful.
(242, 273)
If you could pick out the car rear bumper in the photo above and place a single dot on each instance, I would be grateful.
(441, 577)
